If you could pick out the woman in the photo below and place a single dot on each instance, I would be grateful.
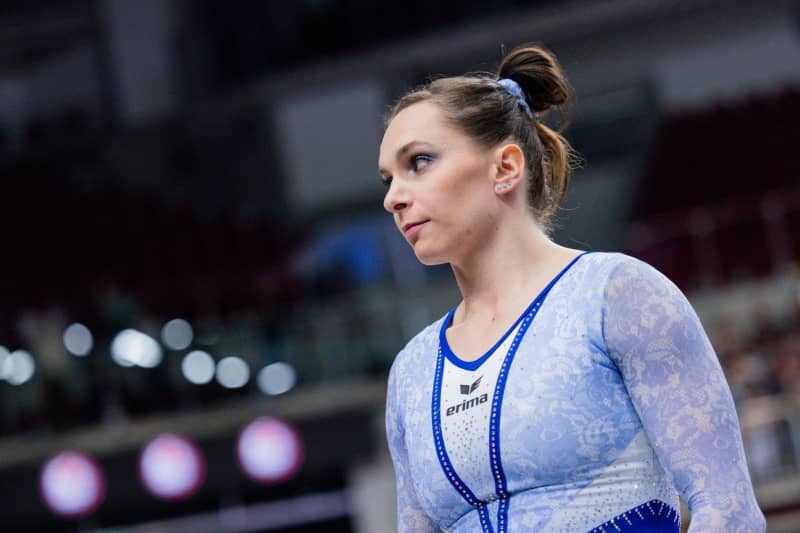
(568, 391)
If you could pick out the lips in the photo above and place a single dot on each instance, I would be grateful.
(411, 225)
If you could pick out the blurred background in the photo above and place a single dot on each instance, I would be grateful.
(200, 294)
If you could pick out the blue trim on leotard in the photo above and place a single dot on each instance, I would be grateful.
(473, 365)
(494, 443)
(654, 516)
(441, 451)
(498, 474)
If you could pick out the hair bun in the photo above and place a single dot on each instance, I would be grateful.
(538, 73)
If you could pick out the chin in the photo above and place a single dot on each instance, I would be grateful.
(431, 263)
(427, 258)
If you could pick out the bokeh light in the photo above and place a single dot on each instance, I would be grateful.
(276, 378)
(177, 334)
(131, 347)
(19, 367)
(172, 467)
(72, 484)
(78, 339)
(4, 368)
(198, 367)
(233, 372)
(269, 450)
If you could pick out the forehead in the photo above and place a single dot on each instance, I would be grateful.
(421, 122)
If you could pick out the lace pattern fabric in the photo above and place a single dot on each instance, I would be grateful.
(615, 398)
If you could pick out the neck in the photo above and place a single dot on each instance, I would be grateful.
(517, 261)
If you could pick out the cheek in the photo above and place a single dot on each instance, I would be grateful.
(456, 231)
(479, 227)
(461, 201)
(474, 208)
(465, 226)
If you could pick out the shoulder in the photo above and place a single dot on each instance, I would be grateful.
(410, 366)
(419, 350)
(603, 262)
(610, 279)
(615, 269)
(630, 274)
(642, 302)
(593, 272)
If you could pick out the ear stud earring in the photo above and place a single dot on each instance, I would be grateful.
(502, 186)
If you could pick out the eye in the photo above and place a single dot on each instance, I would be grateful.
(386, 181)
(420, 161)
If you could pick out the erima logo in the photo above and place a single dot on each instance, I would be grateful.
(472, 402)
(468, 389)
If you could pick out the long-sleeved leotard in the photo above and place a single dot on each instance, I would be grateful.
(601, 400)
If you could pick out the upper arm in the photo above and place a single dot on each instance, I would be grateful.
(679, 391)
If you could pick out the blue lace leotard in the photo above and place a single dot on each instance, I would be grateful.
(599, 404)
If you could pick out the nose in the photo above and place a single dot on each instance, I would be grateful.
(397, 198)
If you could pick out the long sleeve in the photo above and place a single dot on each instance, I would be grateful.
(679, 391)
(410, 516)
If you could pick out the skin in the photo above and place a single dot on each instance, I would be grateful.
(478, 221)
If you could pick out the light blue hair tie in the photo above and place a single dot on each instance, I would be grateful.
(514, 89)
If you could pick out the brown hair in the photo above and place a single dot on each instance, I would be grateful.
(488, 113)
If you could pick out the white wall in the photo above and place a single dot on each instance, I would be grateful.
(693, 61)
(328, 139)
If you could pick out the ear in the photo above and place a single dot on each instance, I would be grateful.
(509, 172)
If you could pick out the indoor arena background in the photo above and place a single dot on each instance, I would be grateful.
(201, 295)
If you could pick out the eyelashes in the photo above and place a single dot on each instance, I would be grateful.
(416, 163)
(415, 159)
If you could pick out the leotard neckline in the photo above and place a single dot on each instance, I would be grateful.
(475, 364)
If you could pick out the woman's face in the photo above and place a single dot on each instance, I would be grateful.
(439, 181)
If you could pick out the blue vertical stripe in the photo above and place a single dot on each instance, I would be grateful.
(494, 424)
(441, 451)
(498, 474)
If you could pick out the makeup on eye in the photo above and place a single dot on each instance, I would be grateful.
(416, 158)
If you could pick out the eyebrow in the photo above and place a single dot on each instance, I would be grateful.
(403, 150)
